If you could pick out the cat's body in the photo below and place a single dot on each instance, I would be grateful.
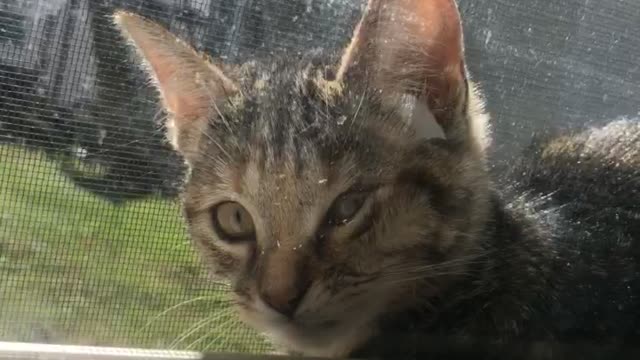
(348, 200)
(562, 265)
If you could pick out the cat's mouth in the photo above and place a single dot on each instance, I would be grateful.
(310, 337)
(309, 326)
(312, 333)
(257, 311)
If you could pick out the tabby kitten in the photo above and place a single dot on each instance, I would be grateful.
(347, 198)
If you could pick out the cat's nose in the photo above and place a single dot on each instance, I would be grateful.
(283, 281)
(285, 302)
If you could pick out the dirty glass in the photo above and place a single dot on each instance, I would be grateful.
(93, 250)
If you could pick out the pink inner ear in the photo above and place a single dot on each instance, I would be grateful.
(181, 74)
(183, 108)
(440, 30)
(410, 46)
(163, 71)
(180, 95)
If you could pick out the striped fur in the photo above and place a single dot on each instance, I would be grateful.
(437, 246)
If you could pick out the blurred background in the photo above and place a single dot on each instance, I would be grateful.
(92, 247)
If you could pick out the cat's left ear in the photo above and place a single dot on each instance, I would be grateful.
(191, 87)
(414, 47)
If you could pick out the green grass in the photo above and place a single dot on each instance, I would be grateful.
(76, 269)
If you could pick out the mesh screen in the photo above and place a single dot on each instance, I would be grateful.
(93, 250)
(92, 247)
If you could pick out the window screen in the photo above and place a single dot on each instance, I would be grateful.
(93, 250)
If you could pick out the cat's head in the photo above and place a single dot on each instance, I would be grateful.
(330, 193)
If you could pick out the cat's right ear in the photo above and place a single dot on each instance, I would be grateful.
(190, 86)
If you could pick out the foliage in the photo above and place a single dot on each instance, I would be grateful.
(79, 270)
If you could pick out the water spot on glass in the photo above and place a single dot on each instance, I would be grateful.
(488, 38)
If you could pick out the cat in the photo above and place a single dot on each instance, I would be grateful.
(348, 198)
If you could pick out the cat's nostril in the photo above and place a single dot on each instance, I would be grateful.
(284, 298)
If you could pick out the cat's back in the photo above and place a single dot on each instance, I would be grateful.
(594, 173)
(602, 151)
(592, 180)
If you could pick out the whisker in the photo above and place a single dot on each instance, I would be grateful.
(174, 307)
(214, 103)
(217, 144)
(221, 284)
(178, 245)
(423, 277)
(199, 325)
(211, 332)
(198, 340)
(421, 267)
(362, 122)
(190, 331)
(229, 321)
(430, 267)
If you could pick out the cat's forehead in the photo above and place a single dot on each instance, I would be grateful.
(285, 178)
(292, 129)
(302, 99)
(292, 110)
(293, 120)
(286, 69)
(308, 80)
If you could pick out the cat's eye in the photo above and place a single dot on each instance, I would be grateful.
(346, 207)
(233, 222)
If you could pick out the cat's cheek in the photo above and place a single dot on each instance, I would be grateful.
(242, 251)
(221, 264)
(407, 226)
(253, 312)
